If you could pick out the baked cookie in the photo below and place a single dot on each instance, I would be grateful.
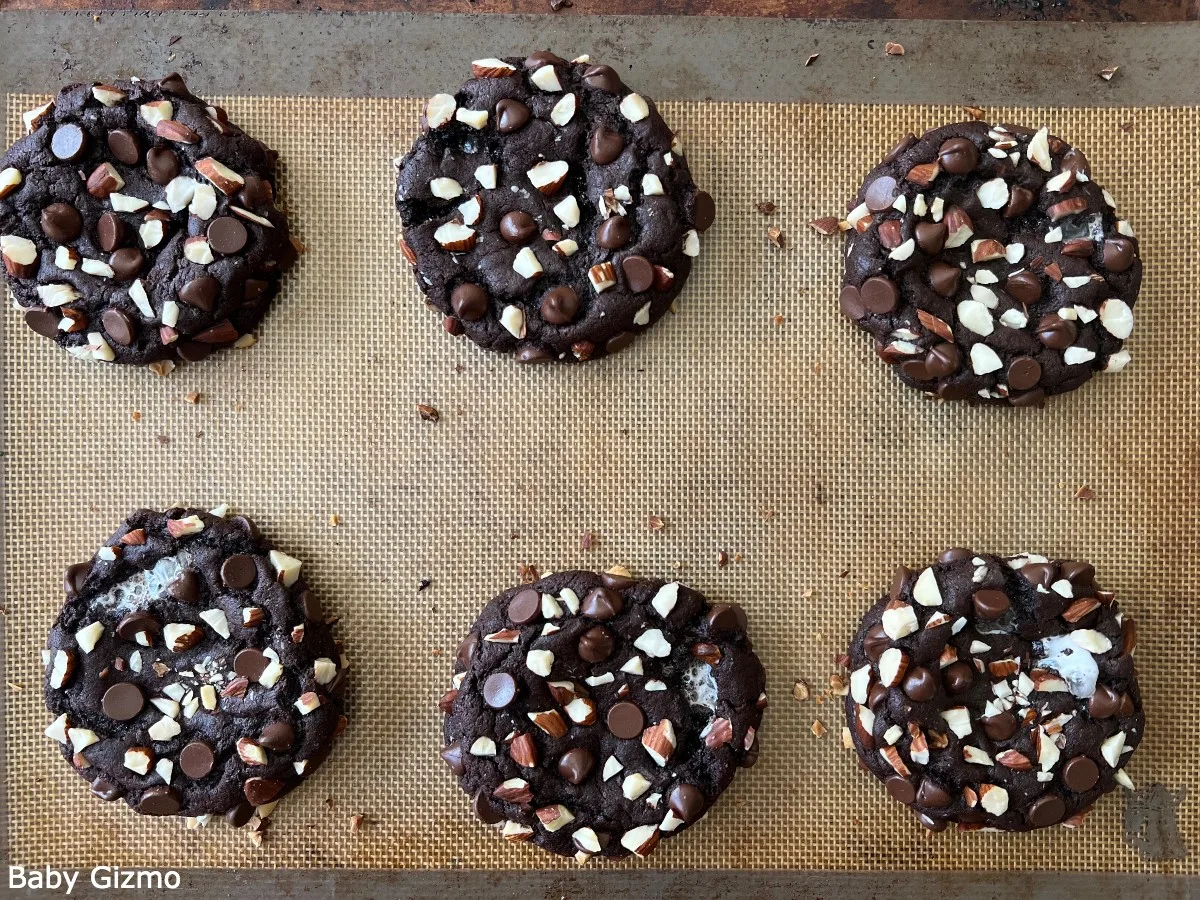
(191, 671)
(989, 267)
(548, 210)
(138, 224)
(996, 693)
(594, 714)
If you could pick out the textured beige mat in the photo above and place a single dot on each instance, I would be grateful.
(789, 446)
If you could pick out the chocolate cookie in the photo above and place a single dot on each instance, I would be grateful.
(996, 693)
(548, 210)
(138, 224)
(989, 267)
(191, 670)
(595, 714)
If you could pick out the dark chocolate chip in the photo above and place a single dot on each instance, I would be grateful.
(239, 571)
(959, 156)
(576, 764)
(196, 760)
(525, 607)
(639, 273)
(227, 234)
(625, 720)
(499, 690)
(118, 326)
(469, 302)
(605, 145)
(601, 603)
(511, 115)
(69, 142)
(123, 701)
(201, 292)
(125, 146)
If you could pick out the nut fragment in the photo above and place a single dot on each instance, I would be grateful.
(548, 177)
(455, 237)
(659, 741)
(550, 721)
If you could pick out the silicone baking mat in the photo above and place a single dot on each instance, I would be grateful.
(755, 421)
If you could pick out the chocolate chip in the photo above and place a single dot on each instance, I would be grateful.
(1044, 574)
(511, 115)
(43, 321)
(110, 232)
(185, 587)
(596, 644)
(613, 233)
(605, 145)
(482, 807)
(877, 695)
(118, 326)
(726, 618)
(999, 727)
(241, 814)
(954, 554)
(126, 263)
(704, 211)
(256, 192)
(196, 760)
(162, 164)
(934, 825)
(881, 193)
(123, 701)
(899, 147)
(312, 607)
(901, 789)
(201, 292)
(687, 802)
(920, 685)
(532, 355)
(625, 720)
(915, 369)
(499, 690)
(253, 289)
(1125, 707)
(1104, 703)
(639, 273)
(1118, 254)
(261, 791)
(159, 801)
(135, 623)
(601, 603)
(125, 146)
(469, 302)
(1080, 774)
(68, 143)
(944, 278)
(957, 678)
(875, 642)
(576, 764)
(543, 58)
(603, 78)
(1019, 200)
(466, 650)
(518, 227)
(227, 234)
(959, 156)
(617, 582)
(455, 758)
(899, 581)
(933, 795)
(1056, 332)
(931, 236)
(106, 790)
(879, 294)
(239, 571)
(251, 663)
(1045, 811)
(1075, 161)
(990, 604)
(942, 359)
(525, 607)
(851, 303)
(278, 736)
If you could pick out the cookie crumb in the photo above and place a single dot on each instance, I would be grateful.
(800, 690)
(766, 207)
(1107, 74)
(818, 728)
(825, 225)
(776, 237)
(428, 413)
(1085, 493)
(812, 58)
(588, 540)
(193, 397)
(657, 523)
(975, 112)
(722, 559)
(335, 520)
(893, 49)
